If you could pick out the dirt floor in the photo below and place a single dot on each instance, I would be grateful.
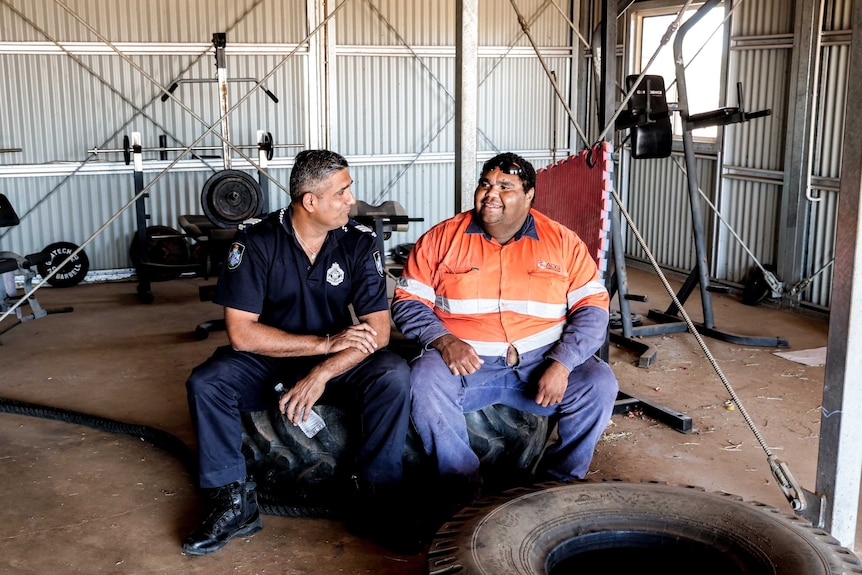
(77, 500)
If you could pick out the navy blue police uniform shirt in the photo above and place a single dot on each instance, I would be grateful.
(268, 273)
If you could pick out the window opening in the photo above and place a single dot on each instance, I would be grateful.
(703, 50)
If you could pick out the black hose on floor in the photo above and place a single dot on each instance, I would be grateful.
(157, 437)
(269, 503)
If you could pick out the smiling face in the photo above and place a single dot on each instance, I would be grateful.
(502, 204)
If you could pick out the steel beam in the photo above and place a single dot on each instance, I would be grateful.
(792, 236)
(466, 100)
(840, 455)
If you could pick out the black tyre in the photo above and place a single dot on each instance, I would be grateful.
(299, 476)
(70, 274)
(619, 527)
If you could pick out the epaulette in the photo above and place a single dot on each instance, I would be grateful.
(249, 223)
(362, 228)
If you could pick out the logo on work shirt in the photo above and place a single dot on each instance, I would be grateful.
(234, 256)
(549, 266)
(378, 263)
(334, 275)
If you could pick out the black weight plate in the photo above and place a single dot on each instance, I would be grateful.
(267, 145)
(756, 287)
(70, 274)
(165, 246)
(230, 197)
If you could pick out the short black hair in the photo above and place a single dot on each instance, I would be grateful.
(311, 167)
(513, 164)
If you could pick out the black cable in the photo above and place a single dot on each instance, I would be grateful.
(269, 503)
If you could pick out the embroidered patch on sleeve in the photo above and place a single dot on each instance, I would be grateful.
(378, 262)
(234, 256)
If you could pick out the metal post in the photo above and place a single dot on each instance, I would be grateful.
(608, 63)
(797, 159)
(691, 167)
(220, 42)
(840, 455)
(263, 164)
(466, 100)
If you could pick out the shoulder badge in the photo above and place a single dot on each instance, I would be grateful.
(234, 256)
(378, 262)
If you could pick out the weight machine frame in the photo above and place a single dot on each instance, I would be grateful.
(142, 238)
(669, 320)
(265, 151)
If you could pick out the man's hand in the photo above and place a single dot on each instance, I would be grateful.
(552, 384)
(460, 357)
(299, 399)
(361, 336)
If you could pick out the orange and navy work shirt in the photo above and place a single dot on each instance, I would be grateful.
(541, 288)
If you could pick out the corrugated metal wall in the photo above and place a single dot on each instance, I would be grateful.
(67, 90)
(389, 101)
(753, 155)
(748, 188)
(826, 154)
(657, 199)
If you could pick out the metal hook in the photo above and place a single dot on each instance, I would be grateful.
(810, 198)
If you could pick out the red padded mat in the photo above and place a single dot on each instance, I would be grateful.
(577, 193)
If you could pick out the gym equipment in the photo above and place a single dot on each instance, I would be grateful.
(576, 193)
(69, 275)
(167, 251)
(228, 198)
(12, 264)
(161, 253)
(384, 219)
(647, 118)
(267, 145)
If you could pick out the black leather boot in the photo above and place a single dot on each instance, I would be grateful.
(233, 512)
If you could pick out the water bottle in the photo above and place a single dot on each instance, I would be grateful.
(312, 425)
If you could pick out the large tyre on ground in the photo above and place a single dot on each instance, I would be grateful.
(619, 527)
(301, 476)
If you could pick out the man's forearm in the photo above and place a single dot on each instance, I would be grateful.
(417, 321)
(584, 334)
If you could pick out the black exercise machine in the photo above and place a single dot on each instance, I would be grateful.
(228, 198)
(45, 262)
(648, 118)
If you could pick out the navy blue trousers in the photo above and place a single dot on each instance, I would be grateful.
(230, 382)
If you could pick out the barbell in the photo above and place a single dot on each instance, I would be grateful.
(266, 144)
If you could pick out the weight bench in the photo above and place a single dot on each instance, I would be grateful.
(213, 241)
(12, 263)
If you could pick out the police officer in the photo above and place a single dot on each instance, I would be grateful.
(286, 286)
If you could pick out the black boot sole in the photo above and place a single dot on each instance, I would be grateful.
(245, 530)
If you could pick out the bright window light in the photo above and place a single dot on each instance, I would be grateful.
(702, 50)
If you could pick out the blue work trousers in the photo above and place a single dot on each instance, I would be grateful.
(232, 381)
(440, 399)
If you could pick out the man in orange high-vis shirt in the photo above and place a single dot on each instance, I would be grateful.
(509, 308)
